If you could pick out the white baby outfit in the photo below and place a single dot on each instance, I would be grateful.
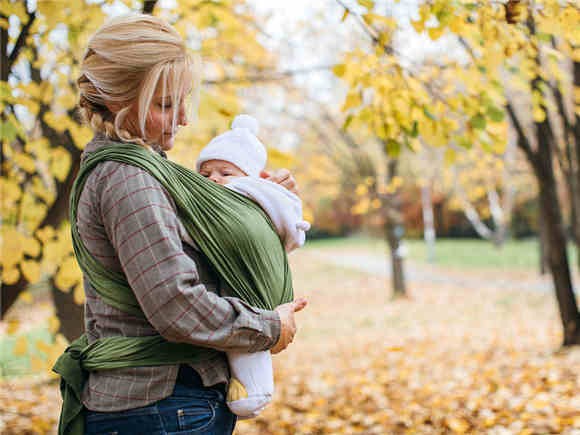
(252, 380)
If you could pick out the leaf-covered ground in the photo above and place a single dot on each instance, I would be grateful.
(451, 359)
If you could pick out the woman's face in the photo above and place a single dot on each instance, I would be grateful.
(160, 127)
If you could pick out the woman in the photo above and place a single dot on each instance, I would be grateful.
(136, 75)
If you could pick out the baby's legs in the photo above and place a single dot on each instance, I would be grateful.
(251, 384)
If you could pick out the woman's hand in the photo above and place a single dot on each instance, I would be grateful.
(288, 325)
(283, 177)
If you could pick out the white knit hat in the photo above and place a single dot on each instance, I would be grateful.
(239, 146)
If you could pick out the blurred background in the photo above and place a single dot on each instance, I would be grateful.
(436, 145)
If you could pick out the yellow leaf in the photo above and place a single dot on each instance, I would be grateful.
(42, 346)
(353, 99)
(12, 327)
(25, 162)
(10, 275)
(60, 163)
(457, 425)
(419, 26)
(25, 296)
(79, 294)
(339, 70)
(21, 346)
(53, 324)
(435, 32)
(31, 271)
(68, 275)
(539, 114)
(37, 364)
(369, 4)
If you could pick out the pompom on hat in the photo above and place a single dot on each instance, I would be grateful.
(239, 146)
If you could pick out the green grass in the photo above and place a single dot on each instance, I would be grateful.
(461, 253)
(16, 365)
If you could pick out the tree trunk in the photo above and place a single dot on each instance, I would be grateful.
(394, 232)
(556, 236)
(556, 254)
(542, 241)
(428, 222)
(70, 314)
(576, 135)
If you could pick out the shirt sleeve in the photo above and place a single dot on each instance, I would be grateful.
(141, 222)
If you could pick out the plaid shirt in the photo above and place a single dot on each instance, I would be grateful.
(128, 222)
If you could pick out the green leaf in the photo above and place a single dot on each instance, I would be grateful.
(393, 148)
(463, 142)
(482, 68)
(544, 37)
(8, 131)
(429, 114)
(478, 122)
(494, 113)
(415, 130)
(347, 122)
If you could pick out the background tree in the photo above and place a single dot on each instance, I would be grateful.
(42, 140)
(457, 103)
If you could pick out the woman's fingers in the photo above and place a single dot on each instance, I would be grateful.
(283, 177)
(287, 323)
(300, 304)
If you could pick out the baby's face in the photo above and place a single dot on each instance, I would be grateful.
(220, 171)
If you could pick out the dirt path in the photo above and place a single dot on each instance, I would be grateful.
(430, 274)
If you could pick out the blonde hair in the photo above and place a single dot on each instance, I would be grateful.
(125, 61)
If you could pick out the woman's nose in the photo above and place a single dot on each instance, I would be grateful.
(181, 116)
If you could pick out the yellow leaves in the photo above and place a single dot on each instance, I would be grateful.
(538, 114)
(353, 99)
(419, 26)
(435, 32)
(21, 346)
(369, 4)
(25, 297)
(10, 275)
(68, 275)
(362, 207)
(457, 425)
(79, 291)
(25, 162)
(339, 70)
(53, 327)
(60, 163)
(31, 271)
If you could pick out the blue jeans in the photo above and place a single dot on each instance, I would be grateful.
(190, 410)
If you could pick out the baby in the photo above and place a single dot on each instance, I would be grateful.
(235, 160)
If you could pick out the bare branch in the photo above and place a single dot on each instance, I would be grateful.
(21, 39)
(149, 6)
(275, 76)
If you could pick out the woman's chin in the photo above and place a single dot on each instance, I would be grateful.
(167, 143)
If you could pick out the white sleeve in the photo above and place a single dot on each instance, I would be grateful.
(283, 207)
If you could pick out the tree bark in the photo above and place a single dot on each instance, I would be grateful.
(394, 232)
(556, 247)
(70, 314)
(428, 222)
